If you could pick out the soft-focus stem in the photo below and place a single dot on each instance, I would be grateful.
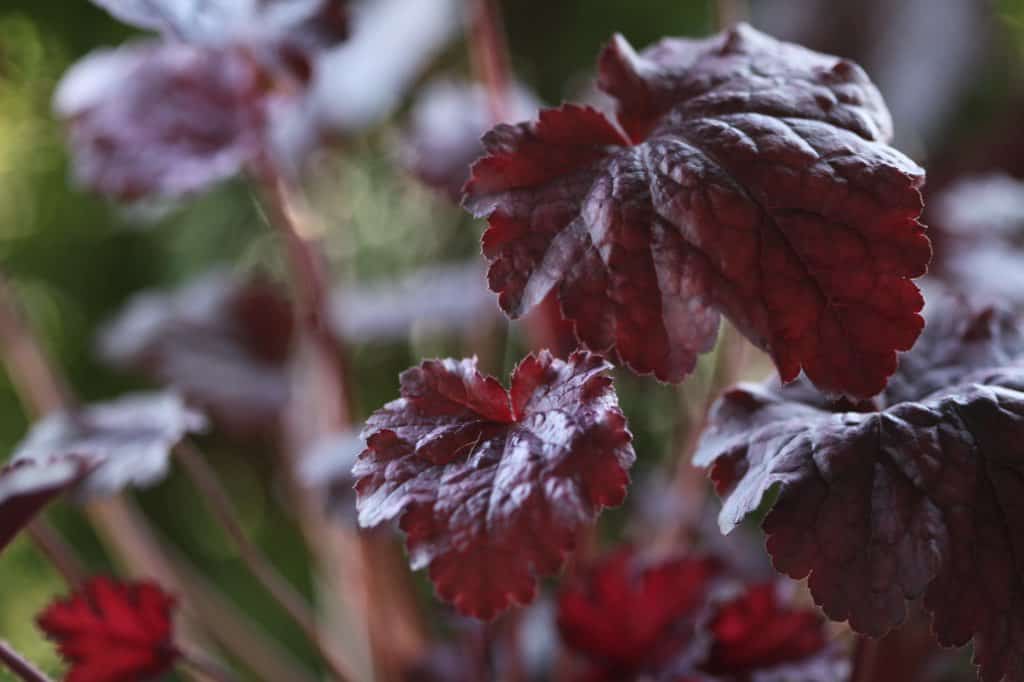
(728, 13)
(60, 554)
(121, 526)
(206, 668)
(865, 651)
(356, 566)
(280, 589)
(485, 35)
(18, 665)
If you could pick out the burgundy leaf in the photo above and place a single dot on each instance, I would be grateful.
(222, 340)
(448, 120)
(755, 632)
(126, 441)
(492, 486)
(753, 177)
(112, 631)
(628, 618)
(163, 119)
(26, 486)
(434, 299)
(918, 494)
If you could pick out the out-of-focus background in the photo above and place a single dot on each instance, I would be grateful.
(952, 72)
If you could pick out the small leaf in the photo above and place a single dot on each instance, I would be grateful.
(749, 176)
(629, 618)
(163, 119)
(126, 441)
(755, 632)
(26, 486)
(492, 486)
(917, 494)
(111, 631)
(222, 340)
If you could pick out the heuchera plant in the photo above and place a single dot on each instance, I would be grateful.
(739, 177)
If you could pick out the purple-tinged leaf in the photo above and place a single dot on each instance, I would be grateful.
(747, 176)
(447, 121)
(491, 486)
(26, 486)
(433, 299)
(162, 120)
(917, 494)
(127, 441)
(222, 341)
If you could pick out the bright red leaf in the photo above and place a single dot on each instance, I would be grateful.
(746, 175)
(491, 485)
(918, 493)
(756, 632)
(113, 631)
(628, 618)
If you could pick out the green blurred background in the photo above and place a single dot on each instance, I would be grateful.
(74, 259)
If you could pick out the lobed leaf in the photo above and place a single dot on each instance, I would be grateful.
(27, 486)
(747, 176)
(915, 495)
(491, 486)
(111, 631)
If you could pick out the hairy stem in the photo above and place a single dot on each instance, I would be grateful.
(485, 35)
(18, 665)
(280, 589)
(356, 566)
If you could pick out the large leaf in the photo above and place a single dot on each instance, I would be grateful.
(918, 493)
(749, 176)
(492, 486)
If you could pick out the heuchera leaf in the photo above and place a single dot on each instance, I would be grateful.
(222, 340)
(628, 618)
(111, 631)
(126, 441)
(163, 119)
(443, 136)
(746, 175)
(755, 631)
(492, 486)
(26, 486)
(915, 494)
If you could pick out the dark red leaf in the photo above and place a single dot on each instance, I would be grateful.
(127, 441)
(920, 498)
(755, 631)
(222, 340)
(163, 119)
(753, 177)
(491, 485)
(26, 486)
(627, 617)
(112, 631)
(448, 120)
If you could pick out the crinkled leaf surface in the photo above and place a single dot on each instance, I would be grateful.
(26, 486)
(127, 441)
(157, 119)
(222, 340)
(111, 631)
(491, 486)
(629, 617)
(917, 494)
(747, 176)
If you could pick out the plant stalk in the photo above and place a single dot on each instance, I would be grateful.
(19, 665)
